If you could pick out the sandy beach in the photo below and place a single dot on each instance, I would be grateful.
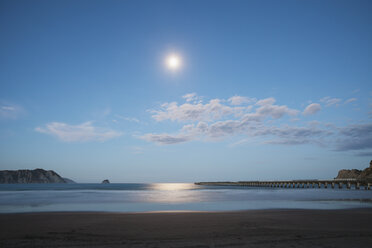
(254, 228)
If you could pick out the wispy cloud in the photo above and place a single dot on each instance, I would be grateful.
(166, 139)
(329, 101)
(10, 111)
(191, 97)
(312, 109)
(288, 135)
(239, 100)
(132, 119)
(350, 100)
(78, 133)
(248, 127)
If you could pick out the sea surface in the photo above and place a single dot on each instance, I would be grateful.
(129, 197)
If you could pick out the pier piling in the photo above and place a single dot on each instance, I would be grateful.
(348, 185)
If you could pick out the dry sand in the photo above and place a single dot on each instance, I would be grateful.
(255, 228)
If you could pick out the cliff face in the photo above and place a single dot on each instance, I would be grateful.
(30, 176)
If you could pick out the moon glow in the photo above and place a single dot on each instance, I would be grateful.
(173, 62)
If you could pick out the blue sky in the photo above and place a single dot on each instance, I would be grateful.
(265, 90)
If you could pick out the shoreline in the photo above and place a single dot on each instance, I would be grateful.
(247, 228)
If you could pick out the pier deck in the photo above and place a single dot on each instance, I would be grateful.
(314, 183)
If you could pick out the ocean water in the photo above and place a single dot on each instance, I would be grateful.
(126, 197)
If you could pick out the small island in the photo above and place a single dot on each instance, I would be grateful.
(106, 181)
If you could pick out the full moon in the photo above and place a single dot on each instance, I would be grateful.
(173, 62)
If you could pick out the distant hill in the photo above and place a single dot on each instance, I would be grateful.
(30, 176)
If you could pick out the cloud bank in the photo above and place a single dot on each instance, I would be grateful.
(220, 118)
(249, 117)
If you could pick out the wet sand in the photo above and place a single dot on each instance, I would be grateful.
(254, 228)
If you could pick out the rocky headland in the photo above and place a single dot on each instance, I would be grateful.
(30, 176)
(361, 175)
